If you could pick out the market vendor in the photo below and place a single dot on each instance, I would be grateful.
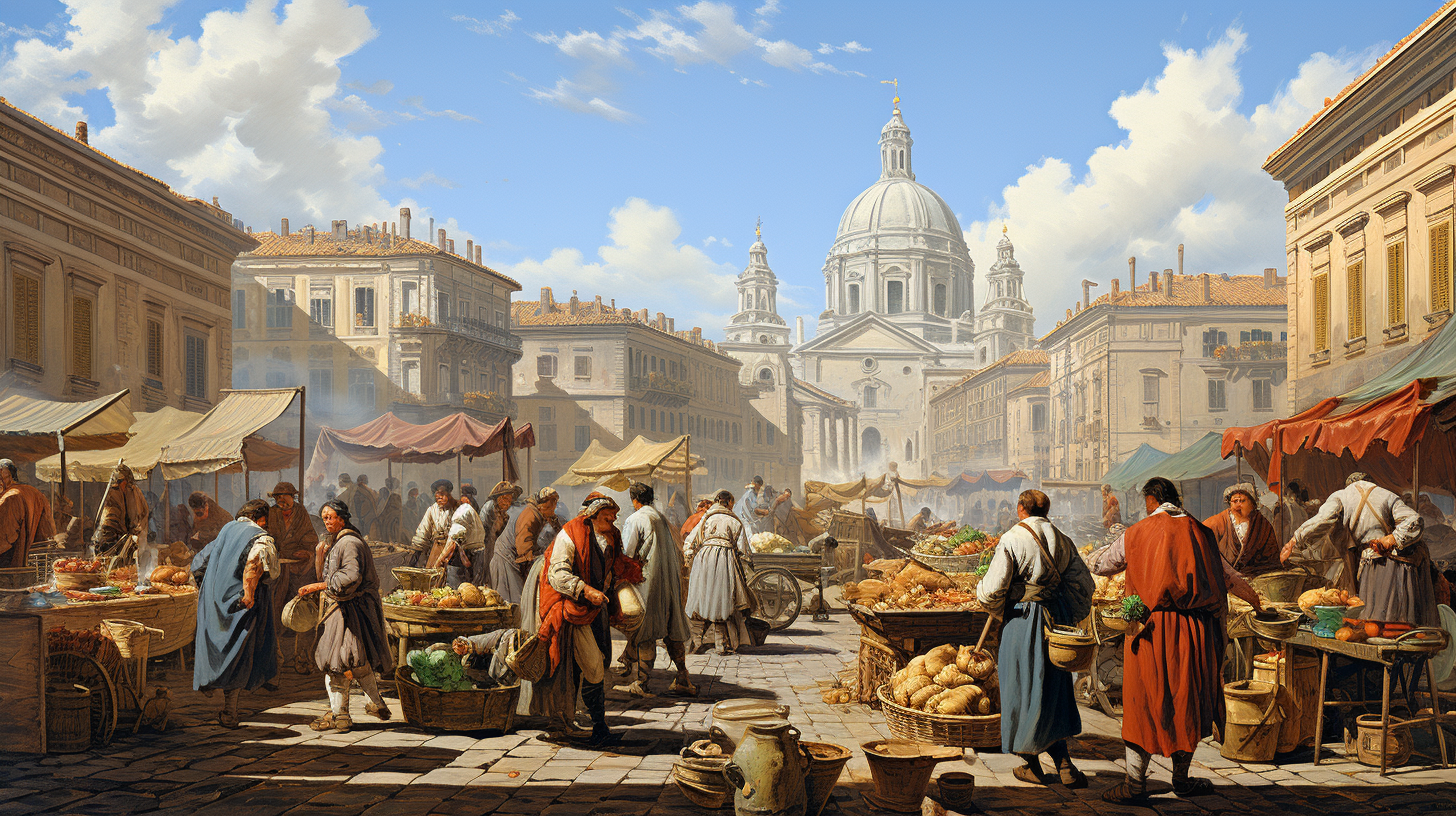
(485, 656)
(208, 519)
(518, 546)
(25, 517)
(236, 641)
(754, 509)
(67, 525)
(352, 646)
(294, 535)
(1172, 692)
(646, 537)
(1246, 539)
(1036, 572)
(434, 527)
(1380, 539)
(464, 547)
(124, 514)
(494, 521)
(1111, 507)
(718, 596)
(920, 521)
(567, 598)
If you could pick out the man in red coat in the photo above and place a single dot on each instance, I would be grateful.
(1172, 686)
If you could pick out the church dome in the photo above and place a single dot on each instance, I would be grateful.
(898, 205)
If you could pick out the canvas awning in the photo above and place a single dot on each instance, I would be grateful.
(1124, 476)
(968, 483)
(141, 453)
(640, 460)
(1197, 461)
(29, 426)
(862, 489)
(595, 454)
(217, 440)
(389, 438)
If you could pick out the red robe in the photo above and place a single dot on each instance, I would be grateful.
(692, 523)
(1260, 552)
(1172, 692)
(557, 610)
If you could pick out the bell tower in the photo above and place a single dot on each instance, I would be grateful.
(1005, 323)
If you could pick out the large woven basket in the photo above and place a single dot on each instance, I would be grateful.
(952, 730)
(949, 563)
(471, 710)
(133, 640)
(80, 580)
(877, 662)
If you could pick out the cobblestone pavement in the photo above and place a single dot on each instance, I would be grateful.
(275, 764)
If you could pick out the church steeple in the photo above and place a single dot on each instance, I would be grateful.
(895, 145)
(1005, 323)
(758, 317)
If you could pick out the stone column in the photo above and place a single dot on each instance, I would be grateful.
(841, 432)
(854, 444)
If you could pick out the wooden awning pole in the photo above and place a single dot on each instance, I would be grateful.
(458, 471)
(1416, 476)
(302, 415)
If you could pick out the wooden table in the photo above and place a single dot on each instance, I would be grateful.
(1390, 658)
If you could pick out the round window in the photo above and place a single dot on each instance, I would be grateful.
(905, 370)
(868, 364)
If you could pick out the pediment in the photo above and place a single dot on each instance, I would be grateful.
(869, 333)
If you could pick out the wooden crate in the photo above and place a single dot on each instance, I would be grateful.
(877, 661)
(23, 656)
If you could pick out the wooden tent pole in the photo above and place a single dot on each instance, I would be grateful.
(302, 414)
(457, 471)
(1416, 477)
(247, 487)
(688, 477)
(530, 477)
(901, 498)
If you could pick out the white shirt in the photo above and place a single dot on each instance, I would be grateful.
(1334, 517)
(1018, 560)
(718, 523)
(467, 528)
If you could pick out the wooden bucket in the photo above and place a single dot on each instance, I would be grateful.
(1254, 717)
(68, 719)
(901, 771)
(826, 762)
(1299, 695)
(1397, 750)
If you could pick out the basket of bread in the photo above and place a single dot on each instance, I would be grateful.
(948, 696)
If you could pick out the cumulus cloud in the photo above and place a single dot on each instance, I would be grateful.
(379, 88)
(1188, 171)
(645, 256)
(850, 47)
(427, 179)
(494, 28)
(702, 34)
(241, 111)
(713, 239)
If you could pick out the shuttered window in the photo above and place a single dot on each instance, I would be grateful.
(154, 349)
(195, 349)
(25, 317)
(1355, 285)
(1395, 284)
(1321, 312)
(1441, 267)
(81, 335)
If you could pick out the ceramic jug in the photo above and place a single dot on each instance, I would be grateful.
(767, 771)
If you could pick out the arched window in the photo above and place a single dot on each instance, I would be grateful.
(766, 375)
(853, 298)
(940, 299)
(909, 451)
(895, 297)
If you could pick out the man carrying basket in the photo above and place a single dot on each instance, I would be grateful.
(1038, 569)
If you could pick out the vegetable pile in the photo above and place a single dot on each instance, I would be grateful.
(966, 541)
(1328, 596)
(468, 596)
(773, 543)
(913, 586)
(81, 565)
(948, 680)
(1133, 609)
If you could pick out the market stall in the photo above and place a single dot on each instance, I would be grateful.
(671, 462)
(395, 441)
(1123, 477)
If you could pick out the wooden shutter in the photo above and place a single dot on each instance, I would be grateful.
(1395, 283)
(25, 317)
(1355, 286)
(1441, 267)
(81, 327)
(154, 348)
(1321, 312)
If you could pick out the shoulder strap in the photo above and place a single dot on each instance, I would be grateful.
(1365, 501)
(1045, 553)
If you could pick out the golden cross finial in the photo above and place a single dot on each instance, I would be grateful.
(1003, 229)
(758, 229)
(896, 83)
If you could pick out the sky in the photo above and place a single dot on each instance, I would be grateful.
(628, 150)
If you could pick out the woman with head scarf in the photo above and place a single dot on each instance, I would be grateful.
(1245, 538)
(352, 642)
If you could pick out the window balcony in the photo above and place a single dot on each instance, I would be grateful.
(1251, 358)
(659, 389)
(468, 327)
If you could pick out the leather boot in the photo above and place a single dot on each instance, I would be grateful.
(594, 695)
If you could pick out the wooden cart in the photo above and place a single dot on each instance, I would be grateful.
(416, 626)
(175, 615)
(774, 581)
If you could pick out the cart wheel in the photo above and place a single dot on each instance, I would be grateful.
(81, 669)
(778, 595)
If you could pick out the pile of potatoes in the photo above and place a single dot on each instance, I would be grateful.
(948, 680)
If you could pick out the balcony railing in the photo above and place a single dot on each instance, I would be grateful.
(470, 327)
(664, 384)
(1252, 351)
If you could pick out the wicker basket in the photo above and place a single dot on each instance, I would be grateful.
(133, 640)
(949, 563)
(497, 617)
(952, 730)
(80, 580)
(531, 661)
(471, 710)
(877, 661)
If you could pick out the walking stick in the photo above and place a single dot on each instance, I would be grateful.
(990, 617)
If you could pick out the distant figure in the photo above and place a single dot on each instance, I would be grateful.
(386, 526)
(368, 499)
(25, 517)
(519, 546)
(414, 508)
(647, 537)
(208, 519)
(124, 514)
(754, 509)
(718, 596)
(1111, 508)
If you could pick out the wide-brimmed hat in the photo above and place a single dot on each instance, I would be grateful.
(284, 489)
(504, 488)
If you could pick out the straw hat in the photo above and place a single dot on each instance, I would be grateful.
(503, 488)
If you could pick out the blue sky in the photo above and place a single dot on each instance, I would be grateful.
(627, 150)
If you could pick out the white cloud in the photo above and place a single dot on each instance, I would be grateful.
(1188, 171)
(578, 99)
(768, 9)
(850, 47)
(241, 111)
(428, 178)
(646, 258)
(495, 28)
(418, 103)
(713, 239)
(379, 88)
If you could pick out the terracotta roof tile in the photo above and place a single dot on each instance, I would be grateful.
(297, 245)
(528, 313)
(1334, 101)
(1233, 290)
(1042, 379)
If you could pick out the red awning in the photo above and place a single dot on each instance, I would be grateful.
(1255, 435)
(393, 439)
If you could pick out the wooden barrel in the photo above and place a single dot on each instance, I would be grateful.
(1300, 695)
(68, 719)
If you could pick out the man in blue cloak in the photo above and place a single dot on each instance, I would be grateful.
(236, 643)
(754, 508)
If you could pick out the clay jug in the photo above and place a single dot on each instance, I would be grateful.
(768, 770)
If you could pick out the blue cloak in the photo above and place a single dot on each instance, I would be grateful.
(236, 647)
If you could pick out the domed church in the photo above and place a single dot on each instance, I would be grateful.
(900, 311)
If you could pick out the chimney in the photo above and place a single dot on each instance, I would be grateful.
(404, 221)
(341, 230)
(283, 229)
(1087, 293)
(368, 233)
(547, 305)
(1153, 281)
(439, 236)
(478, 261)
(799, 323)
(431, 232)
(450, 246)
(575, 304)
(311, 232)
(1271, 278)
(1116, 285)
(1132, 274)
(599, 303)
(661, 321)
(697, 334)
(614, 304)
(1180, 259)
(81, 135)
(469, 250)
(672, 324)
(1167, 283)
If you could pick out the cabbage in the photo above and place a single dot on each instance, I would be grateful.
(439, 669)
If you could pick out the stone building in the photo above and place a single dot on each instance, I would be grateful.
(969, 423)
(112, 280)
(1005, 323)
(1028, 427)
(374, 320)
(900, 301)
(1164, 363)
(1369, 219)
(591, 371)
